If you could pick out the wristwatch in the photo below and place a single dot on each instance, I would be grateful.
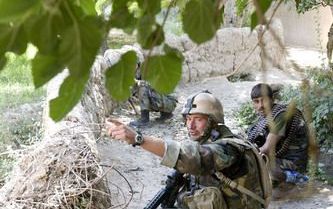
(138, 139)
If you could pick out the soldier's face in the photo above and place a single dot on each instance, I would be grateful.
(262, 105)
(196, 125)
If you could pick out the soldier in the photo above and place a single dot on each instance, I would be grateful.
(209, 159)
(151, 100)
(282, 133)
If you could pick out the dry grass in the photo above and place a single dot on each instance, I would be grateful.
(60, 172)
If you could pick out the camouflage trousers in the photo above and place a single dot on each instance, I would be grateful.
(153, 101)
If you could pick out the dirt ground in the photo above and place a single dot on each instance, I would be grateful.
(136, 176)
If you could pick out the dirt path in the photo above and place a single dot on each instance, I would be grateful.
(138, 176)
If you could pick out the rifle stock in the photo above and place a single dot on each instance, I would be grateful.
(167, 196)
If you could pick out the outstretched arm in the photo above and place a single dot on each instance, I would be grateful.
(119, 131)
(269, 147)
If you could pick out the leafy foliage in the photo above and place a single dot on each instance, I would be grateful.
(240, 6)
(306, 5)
(69, 94)
(159, 68)
(319, 97)
(68, 34)
(120, 76)
(201, 19)
(246, 116)
(257, 16)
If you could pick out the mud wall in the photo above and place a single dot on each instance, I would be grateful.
(232, 50)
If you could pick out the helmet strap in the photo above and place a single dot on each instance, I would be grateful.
(208, 130)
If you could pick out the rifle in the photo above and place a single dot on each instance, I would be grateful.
(167, 196)
(130, 101)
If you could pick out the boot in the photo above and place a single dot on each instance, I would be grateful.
(164, 116)
(143, 121)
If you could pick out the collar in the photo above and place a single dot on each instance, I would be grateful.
(222, 131)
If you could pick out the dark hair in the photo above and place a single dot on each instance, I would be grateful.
(260, 90)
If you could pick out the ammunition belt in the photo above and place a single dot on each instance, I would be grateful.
(262, 127)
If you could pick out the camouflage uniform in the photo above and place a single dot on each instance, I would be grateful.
(153, 101)
(291, 150)
(201, 161)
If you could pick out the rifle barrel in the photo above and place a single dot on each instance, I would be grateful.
(157, 200)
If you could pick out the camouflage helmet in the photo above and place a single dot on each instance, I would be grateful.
(204, 103)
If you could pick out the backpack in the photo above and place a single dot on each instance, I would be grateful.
(262, 167)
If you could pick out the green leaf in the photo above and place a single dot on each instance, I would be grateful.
(69, 94)
(5, 37)
(148, 38)
(150, 33)
(150, 7)
(19, 40)
(163, 72)
(12, 39)
(88, 7)
(145, 28)
(181, 4)
(44, 68)
(120, 76)
(17, 10)
(172, 51)
(3, 61)
(80, 44)
(201, 20)
(156, 37)
(254, 20)
(44, 32)
(240, 6)
(263, 7)
(222, 16)
(121, 17)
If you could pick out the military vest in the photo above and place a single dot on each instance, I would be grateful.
(295, 141)
(244, 185)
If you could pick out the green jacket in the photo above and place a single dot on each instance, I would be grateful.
(203, 160)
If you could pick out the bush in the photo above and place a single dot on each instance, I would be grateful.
(316, 100)
(246, 116)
